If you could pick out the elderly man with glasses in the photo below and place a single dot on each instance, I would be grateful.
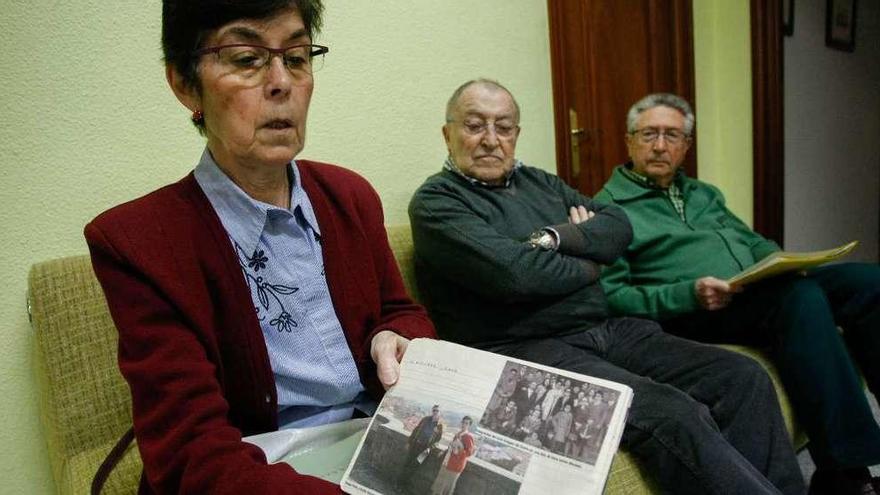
(507, 260)
(686, 243)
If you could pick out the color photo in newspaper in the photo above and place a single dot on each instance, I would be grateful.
(466, 421)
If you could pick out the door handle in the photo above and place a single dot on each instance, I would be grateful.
(576, 133)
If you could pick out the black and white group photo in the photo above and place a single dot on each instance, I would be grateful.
(551, 412)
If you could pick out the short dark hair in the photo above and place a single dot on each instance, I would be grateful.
(186, 24)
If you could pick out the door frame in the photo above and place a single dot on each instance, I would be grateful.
(768, 140)
(558, 70)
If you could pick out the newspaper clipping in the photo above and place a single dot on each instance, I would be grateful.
(466, 421)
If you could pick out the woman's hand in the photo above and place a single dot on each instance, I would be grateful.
(387, 350)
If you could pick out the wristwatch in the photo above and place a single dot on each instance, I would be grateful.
(542, 239)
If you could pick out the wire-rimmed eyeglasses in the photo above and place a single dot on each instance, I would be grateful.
(651, 134)
(247, 61)
(477, 127)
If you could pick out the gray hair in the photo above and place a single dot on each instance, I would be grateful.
(453, 100)
(661, 100)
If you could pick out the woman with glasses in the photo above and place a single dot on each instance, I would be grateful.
(259, 292)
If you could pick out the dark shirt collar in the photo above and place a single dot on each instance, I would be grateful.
(450, 165)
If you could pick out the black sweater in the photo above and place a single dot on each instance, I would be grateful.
(481, 281)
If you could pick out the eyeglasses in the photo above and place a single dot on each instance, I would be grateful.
(650, 134)
(247, 61)
(477, 127)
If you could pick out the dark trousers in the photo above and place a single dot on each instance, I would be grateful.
(797, 317)
(702, 420)
(411, 463)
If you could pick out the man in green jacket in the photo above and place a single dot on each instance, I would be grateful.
(507, 259)
(686, 243)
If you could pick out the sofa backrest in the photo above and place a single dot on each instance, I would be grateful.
(85, 404)
(400, 240)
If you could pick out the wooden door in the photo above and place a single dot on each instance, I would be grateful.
(605, 55)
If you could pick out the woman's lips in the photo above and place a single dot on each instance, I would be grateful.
(278, 124)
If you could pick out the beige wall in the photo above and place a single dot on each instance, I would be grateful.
(722, 62)
(87, 122)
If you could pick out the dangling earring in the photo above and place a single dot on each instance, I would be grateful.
(198, 117)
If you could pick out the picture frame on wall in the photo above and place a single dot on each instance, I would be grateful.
(840, 25)
(788, 17)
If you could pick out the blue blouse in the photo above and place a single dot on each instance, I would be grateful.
(280, 255)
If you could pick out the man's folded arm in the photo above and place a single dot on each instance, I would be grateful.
(458, 244)
(601, 239)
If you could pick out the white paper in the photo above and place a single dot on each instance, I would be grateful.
(322, 451)
(573, 459)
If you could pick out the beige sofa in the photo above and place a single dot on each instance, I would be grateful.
(85, 405)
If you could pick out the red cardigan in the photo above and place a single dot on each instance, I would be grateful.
(190, 345)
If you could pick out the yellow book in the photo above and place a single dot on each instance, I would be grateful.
(784, 261)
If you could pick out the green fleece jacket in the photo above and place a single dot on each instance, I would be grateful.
(655, 277)
(481, 281)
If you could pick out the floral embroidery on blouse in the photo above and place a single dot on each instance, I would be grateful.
(258, 260)
(283, 321)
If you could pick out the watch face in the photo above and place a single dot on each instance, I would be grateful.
(546, 241)
(541, 239)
